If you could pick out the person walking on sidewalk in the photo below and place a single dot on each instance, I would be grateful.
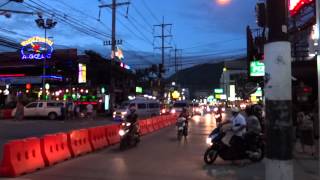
(306, 132)
(89, 111)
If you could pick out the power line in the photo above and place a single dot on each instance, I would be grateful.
(86, 29)
(150, 12)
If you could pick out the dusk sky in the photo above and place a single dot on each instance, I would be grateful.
(203, 29)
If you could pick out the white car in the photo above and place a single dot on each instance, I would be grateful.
(50, 109)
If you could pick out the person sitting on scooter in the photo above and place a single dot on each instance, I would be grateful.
(238, 128)
(253, 123)
(185, 115)
(132, 118)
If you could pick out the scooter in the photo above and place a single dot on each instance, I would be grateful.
(182, 128)
(253, 148)
(129, 134)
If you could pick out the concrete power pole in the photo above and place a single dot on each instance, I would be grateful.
(113, 44)
(278, 94)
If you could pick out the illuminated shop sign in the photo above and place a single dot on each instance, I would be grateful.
(36, 48)
(296, 5)
(82, 75)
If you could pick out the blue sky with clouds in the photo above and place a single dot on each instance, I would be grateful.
(202, 28)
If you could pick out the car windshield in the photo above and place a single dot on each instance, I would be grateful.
(124, 105)
(178, 105)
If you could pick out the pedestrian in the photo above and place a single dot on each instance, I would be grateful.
(76, 110)
(89, 108)
(69, 107)
(306, 132)
(19, 115)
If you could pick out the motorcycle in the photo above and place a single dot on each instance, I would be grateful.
(129, 135)
(182, 128)
(253, 148)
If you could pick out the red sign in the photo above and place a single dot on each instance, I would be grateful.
(296, 5)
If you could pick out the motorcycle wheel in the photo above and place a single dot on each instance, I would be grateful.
(259, 158)
(122, 145)
(210, 155)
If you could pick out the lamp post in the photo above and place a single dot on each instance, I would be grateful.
(45, 24)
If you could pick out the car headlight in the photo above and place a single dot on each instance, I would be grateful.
(123, 113)
(114, 113)
(173, 111)
(163, 111)
(121, 132)
(209, 141)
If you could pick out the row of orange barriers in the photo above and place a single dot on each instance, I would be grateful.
(27, 155)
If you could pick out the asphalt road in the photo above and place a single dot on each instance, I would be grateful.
(159, 157)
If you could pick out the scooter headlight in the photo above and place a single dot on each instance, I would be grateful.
(121, 132)
(173, 111)
(209, 141)
(215, 109)
(223, 109)
(128, 124)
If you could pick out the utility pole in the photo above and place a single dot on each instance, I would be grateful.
(177, 56)
(318, 54)
(163, 37)
(278, 94)
(113, 43)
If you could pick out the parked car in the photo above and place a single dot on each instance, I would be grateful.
(49, 109)
(144, 108)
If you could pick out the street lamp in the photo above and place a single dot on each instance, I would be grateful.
(45, 24)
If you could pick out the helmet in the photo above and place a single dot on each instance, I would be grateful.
(235, 109)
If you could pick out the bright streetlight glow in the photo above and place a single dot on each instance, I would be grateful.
(223, 2)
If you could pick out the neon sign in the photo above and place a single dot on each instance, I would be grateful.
(296, 5)
(36, 48)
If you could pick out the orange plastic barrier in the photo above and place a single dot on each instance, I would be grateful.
(143, 127)
(112, 132)
(162, 122)
(78, 141)
(98, 138)
(150, 125)
(54, 148)
(20, 157)
(155, 123)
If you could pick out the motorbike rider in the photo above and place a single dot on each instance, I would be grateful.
(185, 115)
(238, 128)
(132, 118)
(253, 123)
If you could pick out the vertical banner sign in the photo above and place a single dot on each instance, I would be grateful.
(232, 92)
(106, 102)
(82, 74)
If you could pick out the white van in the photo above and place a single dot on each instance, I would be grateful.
(145, 108)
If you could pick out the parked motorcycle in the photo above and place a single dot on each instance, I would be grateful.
(182, 127)
(129, 134)
(253, 148)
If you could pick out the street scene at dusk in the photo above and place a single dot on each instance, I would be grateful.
(170, 89)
